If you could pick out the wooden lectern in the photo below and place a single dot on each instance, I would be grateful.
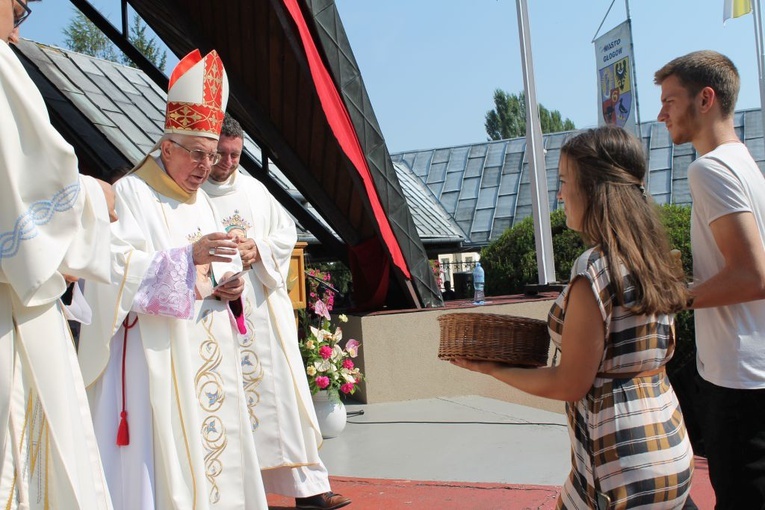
(296, 279)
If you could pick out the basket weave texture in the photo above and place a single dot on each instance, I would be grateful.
(494, 337)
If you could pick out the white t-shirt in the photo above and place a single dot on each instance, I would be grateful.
(730, 339)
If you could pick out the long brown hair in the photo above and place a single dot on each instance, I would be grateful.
(609, 170)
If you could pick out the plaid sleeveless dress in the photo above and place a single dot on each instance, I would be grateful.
(628, 438)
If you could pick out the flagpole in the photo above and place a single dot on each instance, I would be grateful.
(540, 202)
(634, 78)
(756, 14)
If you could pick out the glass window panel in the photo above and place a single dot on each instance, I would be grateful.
(482, 221)
(457, 159)
(491, 177)
(474, 167)
(495, 154)
(756, 148)
(753, 124)
(513, 163)
(441, 156)
(478, 151)
(500, 225)
(660, 182)
(449, 201)
(422, 163)
(437, 173)
(465, 211)
(453, 182)
(470, 188)
(660, 159)
(660, 136)
(487, 197)
(505, 206)
(509, 183)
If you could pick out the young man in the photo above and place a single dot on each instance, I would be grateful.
(53, 223)
(698, 95)
(282, 416)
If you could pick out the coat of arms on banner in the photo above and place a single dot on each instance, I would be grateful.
(616, 92)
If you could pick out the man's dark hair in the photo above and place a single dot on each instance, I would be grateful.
(231, 127)
(705, 69)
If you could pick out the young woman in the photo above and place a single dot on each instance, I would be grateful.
(614, 326)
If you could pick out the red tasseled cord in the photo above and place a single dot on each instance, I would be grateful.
(123, 432)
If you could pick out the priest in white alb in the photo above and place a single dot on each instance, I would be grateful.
(53, 222)
(279, 402)
(162, 355)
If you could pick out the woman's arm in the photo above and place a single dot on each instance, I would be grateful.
(582, 347)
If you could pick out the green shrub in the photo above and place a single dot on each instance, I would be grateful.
(677, 222)
(511, 261)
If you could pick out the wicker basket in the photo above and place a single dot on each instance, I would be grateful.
(494, 337)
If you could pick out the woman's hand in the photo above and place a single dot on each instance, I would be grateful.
(483, 367)
(229, 291)
(215, 247)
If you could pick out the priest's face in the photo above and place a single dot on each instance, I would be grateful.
(188, 160)
(230, 150)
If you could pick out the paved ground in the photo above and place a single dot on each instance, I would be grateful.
(455, 453)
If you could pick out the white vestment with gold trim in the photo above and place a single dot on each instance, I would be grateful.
(52, 222)
(190, 441)
(279, 400)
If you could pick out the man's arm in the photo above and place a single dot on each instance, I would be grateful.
(742, 278)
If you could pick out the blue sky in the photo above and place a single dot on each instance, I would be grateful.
(431, 66)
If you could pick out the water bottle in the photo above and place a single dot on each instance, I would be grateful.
(478, 282)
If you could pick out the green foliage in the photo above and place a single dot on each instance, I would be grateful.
(148, 46)
(508, 118)
(677, 222)
(83, 36)
(511, 260)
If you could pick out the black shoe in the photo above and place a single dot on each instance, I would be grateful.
(326, 501)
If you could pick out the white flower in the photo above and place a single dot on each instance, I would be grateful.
(320, 334)
(343, 317)
(337, 353)
(311, 371)
(309, 345)
(322, 365)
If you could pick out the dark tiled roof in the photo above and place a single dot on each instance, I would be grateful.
(127, 110)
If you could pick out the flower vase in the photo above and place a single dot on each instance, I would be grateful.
(330, 412)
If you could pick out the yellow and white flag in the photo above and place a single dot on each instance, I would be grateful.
(736, 8)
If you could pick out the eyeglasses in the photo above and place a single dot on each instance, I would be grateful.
(19, 18)
(200, 156)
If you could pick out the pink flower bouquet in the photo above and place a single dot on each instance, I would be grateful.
(328, 365)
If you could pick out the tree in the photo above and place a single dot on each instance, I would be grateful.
(508, 118)
(147, 46)
(83, 36)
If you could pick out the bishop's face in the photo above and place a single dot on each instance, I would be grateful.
(188, 160)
